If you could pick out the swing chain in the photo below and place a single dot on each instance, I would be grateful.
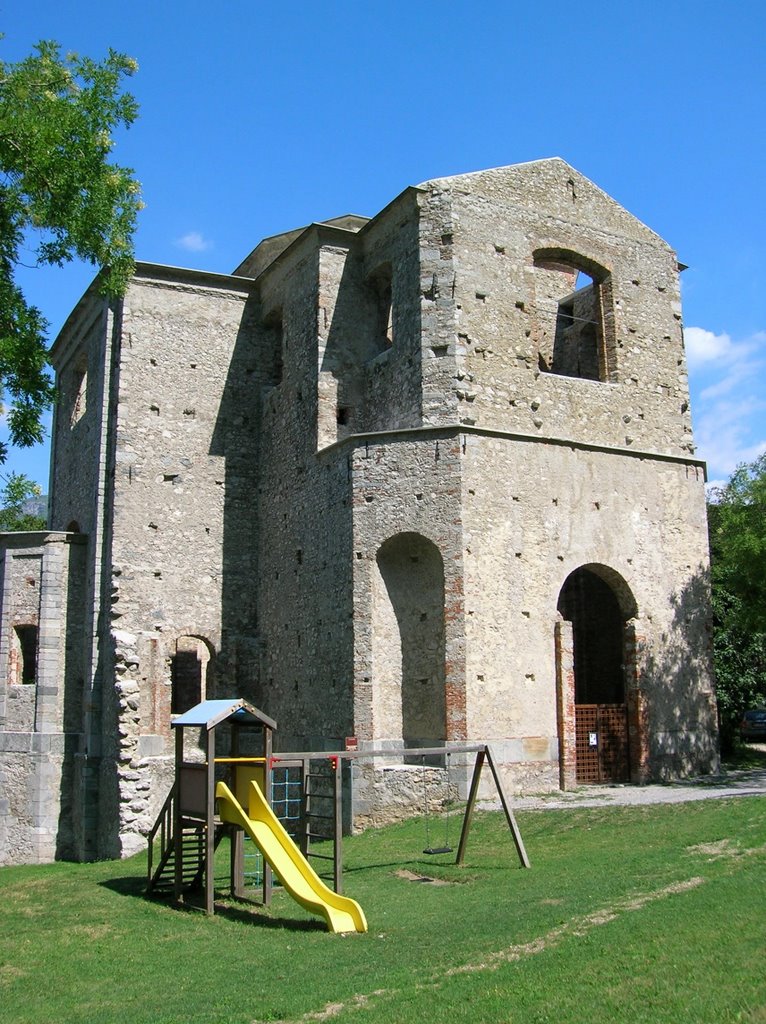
(437, 849)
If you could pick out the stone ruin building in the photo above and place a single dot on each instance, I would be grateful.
(426, 478)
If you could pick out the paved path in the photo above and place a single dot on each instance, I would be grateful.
(751, 782)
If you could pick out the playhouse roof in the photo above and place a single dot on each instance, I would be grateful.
(211, 713)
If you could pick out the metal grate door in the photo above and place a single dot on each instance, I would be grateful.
(602, 743)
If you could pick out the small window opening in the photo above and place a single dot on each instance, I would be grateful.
(23, 655)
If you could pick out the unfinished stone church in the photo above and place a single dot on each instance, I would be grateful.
(426, 478)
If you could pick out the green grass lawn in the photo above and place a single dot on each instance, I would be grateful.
(628, 914)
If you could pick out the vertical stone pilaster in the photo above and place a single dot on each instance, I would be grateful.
(638, 709)
(565, 700)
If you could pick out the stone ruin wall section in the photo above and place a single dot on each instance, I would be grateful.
(303, 509)
(405, 487)
(536, 512)
(42, 585)
(178, 517)
(82, 357)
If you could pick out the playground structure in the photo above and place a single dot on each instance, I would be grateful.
(202, 808)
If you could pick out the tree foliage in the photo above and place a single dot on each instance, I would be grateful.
(15, 500)
(737, 518)
(60, 198)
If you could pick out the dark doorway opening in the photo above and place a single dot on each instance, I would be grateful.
(589, 602)
(189, 673)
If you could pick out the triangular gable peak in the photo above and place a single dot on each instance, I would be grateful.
(555, 189)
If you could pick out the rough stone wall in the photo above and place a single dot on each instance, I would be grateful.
(406, 488)
(546, 510)
(82, 361)
(39, 718)
(304, 534)
(499, 221)
(391, 384)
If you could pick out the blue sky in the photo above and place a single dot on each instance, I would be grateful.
(256, 118)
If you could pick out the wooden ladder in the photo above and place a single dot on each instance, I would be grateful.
(161, 869)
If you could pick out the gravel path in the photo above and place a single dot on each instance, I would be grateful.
(749, 782)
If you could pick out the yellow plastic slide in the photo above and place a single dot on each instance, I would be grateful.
(293, 870)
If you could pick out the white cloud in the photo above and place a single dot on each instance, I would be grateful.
(704, 347)
(726, 379)
(193, 241)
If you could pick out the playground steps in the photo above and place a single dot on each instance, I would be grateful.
(161, 870)
(162, 881)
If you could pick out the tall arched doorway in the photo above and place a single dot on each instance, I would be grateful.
(597, 603)
(409, 700)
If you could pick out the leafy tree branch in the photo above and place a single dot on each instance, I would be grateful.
(61, 198)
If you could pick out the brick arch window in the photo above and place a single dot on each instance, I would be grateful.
(574, 315)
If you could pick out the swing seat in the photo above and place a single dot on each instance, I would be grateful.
(431, 850)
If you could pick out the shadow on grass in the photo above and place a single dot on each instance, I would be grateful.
(246, 912)
(746, 756)
(412, 863)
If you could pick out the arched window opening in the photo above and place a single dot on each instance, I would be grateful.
(409, 655)
(189, 673)
(22, 666)
(574, 316)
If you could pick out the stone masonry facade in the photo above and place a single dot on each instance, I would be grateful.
(424, 479)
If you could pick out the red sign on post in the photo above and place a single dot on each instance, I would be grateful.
(352, 743)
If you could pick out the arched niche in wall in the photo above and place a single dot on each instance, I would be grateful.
(191, 673)
(574, 315)
(409, 703)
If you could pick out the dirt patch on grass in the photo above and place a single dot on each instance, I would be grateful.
(411, 876)
(713, 851)
(724, 848)
(9, 974)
